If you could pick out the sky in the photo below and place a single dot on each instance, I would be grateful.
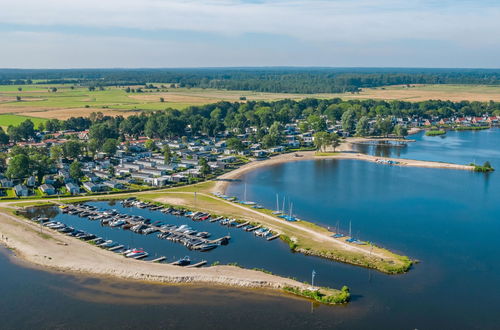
(229, 33)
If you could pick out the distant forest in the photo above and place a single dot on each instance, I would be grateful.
(275, 80)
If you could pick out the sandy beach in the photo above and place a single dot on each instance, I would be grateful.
(57, 252)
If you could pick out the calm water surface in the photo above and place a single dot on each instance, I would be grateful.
(461, 147)
(449, 220)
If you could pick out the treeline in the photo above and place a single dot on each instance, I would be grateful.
(212, 119)
(276, 80)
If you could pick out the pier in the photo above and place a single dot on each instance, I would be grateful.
(242, 224)
(273, 237)
(160, 259)
(199, 264)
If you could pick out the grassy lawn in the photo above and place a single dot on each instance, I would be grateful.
(7, 120)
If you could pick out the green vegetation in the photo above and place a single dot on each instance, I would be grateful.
(485, 168)
(435, 132)
(15, 120)
(285, 80)
(331, 297)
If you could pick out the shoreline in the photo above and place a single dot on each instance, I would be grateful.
(52, 251)
(345, 152)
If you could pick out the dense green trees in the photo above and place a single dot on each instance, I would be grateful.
(75, 170)
(281, 80)
(19, 167)
(235, 144)
(110, 146)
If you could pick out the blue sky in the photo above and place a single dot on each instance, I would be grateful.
(204, 33)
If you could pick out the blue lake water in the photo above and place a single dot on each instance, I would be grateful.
(447, 219)
(460, 147)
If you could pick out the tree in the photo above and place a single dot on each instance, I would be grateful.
(349, 121)
(4, 138)
(321, 139)
(363, 126)
(56, 152)
(162, 99)
(110, 146)
(112, 171)
(72, 149)
(383, 126)
(400, 130)
(75, 170)
(150, 145)
(335, 141)
(18, 98)
(53, 89)
(204, 167)
(235, 144)
(317, 123)
(19, 167)
(167, 154)
(92, 146)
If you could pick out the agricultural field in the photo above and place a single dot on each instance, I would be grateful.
(417, 93)
(69, 101)
(14, 120)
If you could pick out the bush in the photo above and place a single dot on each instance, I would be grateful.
(435, 132)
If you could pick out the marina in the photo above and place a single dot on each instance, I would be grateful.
(153, 233)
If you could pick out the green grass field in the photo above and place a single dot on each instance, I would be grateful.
(73, 100)
(7, 120)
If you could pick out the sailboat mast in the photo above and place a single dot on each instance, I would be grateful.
(277, 204)
(350, 229)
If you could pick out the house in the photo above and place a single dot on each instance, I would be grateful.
(140, 176)
(21, 190)
(92, 187)
(6, 183)
(72, 188)
(49, 179)
(259, 153)
(227, 160)
(113, 184)
(47, 189)
(152, 171)
(167, 167)
(31, 181)
(159, 182)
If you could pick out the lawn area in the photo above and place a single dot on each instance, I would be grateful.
(7, 120)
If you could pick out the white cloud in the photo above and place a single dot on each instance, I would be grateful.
(300, 32)
(338, 20)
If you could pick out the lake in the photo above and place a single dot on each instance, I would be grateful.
(460, 147)
(447, 219)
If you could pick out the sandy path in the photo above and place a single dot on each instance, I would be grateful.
(59, 252)
(312, 233)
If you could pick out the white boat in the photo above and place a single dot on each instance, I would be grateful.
(135, 253)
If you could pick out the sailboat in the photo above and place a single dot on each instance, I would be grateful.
(337, 231)
(277, 206)
(245, 202)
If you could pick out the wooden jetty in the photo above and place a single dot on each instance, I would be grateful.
(220, 240)
(242, 224)
(273, 237)
(160, 259)
(199, 264)
(253, 228)
(116, 248)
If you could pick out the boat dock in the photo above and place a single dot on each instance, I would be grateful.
(242, 224)
(160, 259)
(199, 264)
(253, 228)
(273, 237)
(116, 248)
